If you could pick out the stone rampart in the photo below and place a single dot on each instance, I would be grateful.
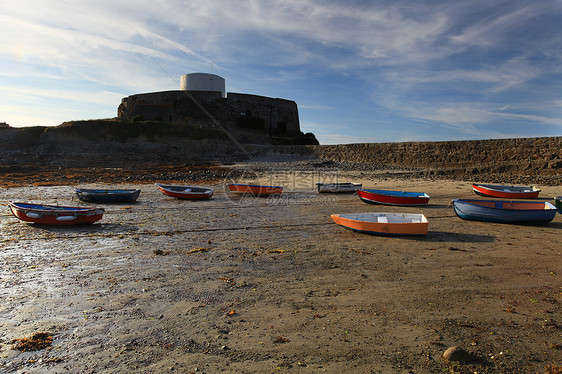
(523, 156)
(171, 106)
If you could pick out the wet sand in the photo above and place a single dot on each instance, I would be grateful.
(267, 286)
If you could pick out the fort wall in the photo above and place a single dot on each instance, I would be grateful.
(278, 115)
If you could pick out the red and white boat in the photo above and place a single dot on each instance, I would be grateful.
(393, 197)
(254, 189)
(186, 192)
(506, 192)
(55, 215)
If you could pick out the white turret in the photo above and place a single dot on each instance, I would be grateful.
(202, 82)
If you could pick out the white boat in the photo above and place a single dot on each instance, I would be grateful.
(338, 187)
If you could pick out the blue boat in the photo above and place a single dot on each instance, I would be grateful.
(503, 211)
(107, 196)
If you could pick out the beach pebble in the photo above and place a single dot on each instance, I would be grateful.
(455, 353)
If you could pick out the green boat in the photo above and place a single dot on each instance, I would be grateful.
(558, 203)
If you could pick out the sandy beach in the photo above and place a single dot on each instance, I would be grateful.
(262, 285)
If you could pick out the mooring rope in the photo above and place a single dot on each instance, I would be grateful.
(168, 233)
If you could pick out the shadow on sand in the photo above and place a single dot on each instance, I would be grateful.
(443, 236)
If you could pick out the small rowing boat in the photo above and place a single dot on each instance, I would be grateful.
(338, 187)
(54, 214)
(254, 189)
(384, 223)
(186, 192)
(506, 192)
(393, 197)
(558, 203)
(502, 211)
(107, 196)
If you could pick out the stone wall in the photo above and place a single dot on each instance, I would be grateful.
(524, 156)
(271, 110)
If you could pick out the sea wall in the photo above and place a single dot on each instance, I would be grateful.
(115, 143)
(512, 157)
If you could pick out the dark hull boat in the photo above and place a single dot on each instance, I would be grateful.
(504, 211)
(107, 196)
(338, 187)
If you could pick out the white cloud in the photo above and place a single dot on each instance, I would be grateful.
(451, 63)
(345, 139)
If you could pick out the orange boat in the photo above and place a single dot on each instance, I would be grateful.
(384, 223)
(255, 189)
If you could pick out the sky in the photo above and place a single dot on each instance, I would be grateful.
(359, 71)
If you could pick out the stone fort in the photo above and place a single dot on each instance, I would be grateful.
(202, 98)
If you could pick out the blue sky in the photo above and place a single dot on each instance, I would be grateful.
(359, 71)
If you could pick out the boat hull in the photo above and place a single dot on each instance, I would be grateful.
(504, 211)
(386, 224)
(338, 187)
(506, 192)
(55, 215)
(393, 197)
(186, 192)
(255, 189)
(558, 203)
(107, 196)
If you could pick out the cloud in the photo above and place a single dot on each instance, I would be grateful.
(451, 64)
(479, 121)
(345, 139)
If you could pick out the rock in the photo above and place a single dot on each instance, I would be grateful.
(555, 164)
(455, 353)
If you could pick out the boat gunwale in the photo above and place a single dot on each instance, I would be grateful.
(545, 203)
(168, 187)
(253, 185)
(350, 184)
(55, 209)
(95, 191)
(422, 216)
(518, 189)
(416, 195)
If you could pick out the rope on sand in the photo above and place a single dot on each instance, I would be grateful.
(169, 233)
